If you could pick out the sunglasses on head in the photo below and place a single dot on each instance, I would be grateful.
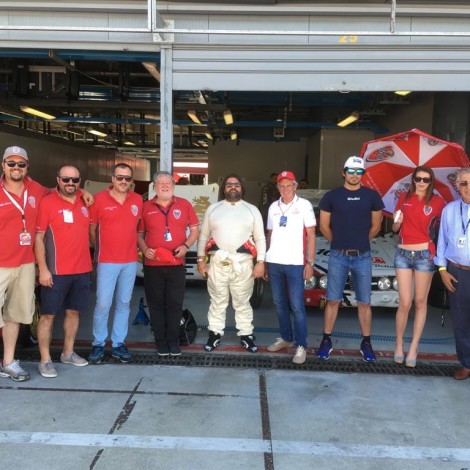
(358, 171)
(67, 179)
(122, 177)
(425, 179)
(12, 164)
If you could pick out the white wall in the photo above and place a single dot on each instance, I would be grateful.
(336, 145)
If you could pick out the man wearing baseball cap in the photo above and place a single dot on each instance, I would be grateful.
(350, 217)
(19, 202)
(290, 260)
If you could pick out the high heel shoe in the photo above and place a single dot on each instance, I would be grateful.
(411, 362)
(398, 359)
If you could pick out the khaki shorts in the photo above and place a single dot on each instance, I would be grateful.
(17, 294)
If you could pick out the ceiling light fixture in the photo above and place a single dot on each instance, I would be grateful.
(349, 120)
(96, 132)
(193, 116)
(209, 135)
(190, 164)
(128, 142)
(233, 135)
(35, 112)
(228, 117)
(402, 92)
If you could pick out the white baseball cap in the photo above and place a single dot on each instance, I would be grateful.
(354, 162)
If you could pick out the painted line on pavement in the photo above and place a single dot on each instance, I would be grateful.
(444, 454)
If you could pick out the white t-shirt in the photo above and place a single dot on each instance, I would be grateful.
(287, 242)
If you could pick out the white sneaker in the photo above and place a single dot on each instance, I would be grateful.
(47, 370)
(300, 355)
(279, 344)
(73, 359)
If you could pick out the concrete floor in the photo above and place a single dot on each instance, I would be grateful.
(159, 417)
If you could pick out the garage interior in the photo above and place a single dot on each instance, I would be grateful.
(275, 68)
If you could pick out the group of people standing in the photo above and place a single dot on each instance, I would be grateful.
(56, 229)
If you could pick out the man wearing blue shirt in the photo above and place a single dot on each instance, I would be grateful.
(350, 217)
(453, 259)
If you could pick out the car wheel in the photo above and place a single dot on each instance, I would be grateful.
(28, 335)
(258, 292)
(438, 295)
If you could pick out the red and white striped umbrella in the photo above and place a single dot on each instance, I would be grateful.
(390, 161)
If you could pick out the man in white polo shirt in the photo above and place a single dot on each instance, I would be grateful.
(290, 259)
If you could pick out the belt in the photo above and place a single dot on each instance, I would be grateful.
(351, 252)
(459, 266)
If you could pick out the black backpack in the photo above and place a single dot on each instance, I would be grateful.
(188, 328)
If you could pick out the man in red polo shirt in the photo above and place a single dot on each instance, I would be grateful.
(113, 232)
(164, 241)
(19, 202)
(63, 256)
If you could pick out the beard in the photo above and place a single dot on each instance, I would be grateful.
(233, 196)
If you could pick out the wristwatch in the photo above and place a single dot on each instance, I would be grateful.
(311, 263)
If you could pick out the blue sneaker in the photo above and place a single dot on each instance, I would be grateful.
(367, 352)
(96, 355)
(122, 353)
(323, 352)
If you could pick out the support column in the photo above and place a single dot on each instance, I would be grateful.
(166, 108)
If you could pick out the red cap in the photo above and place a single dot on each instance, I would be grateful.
(285, 174)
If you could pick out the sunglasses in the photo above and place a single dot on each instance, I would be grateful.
(128, 179)
(418, 179)
(233, 185)
(67, 179)
(464, 183)
(12, 164)
(358, 171)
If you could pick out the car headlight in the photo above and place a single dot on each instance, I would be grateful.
(395, 283)
(310, 283)
(323, 282)
(384, 283)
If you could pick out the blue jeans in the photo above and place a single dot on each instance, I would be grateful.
(113, 280)
(339, 266)
(287, 284)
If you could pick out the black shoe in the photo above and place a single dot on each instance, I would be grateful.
(248, 342)
(175, 350)
(213, 341)
(163, 350)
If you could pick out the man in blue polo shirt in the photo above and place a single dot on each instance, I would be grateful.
(350, 217)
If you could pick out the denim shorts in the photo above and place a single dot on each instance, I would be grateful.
(69, 292)
(339, 267)
(419, 260)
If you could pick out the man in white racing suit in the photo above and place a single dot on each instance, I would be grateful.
(232, 234)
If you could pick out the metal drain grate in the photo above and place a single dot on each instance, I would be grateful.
(265, 361)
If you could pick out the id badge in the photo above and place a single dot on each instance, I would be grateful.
(283, 221)
(462, 241)
(25, 238)
(167, 236)
(68, 216)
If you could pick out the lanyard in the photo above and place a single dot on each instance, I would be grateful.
(464, 227)
(21, 209)
(165, 213)
(290, 205)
